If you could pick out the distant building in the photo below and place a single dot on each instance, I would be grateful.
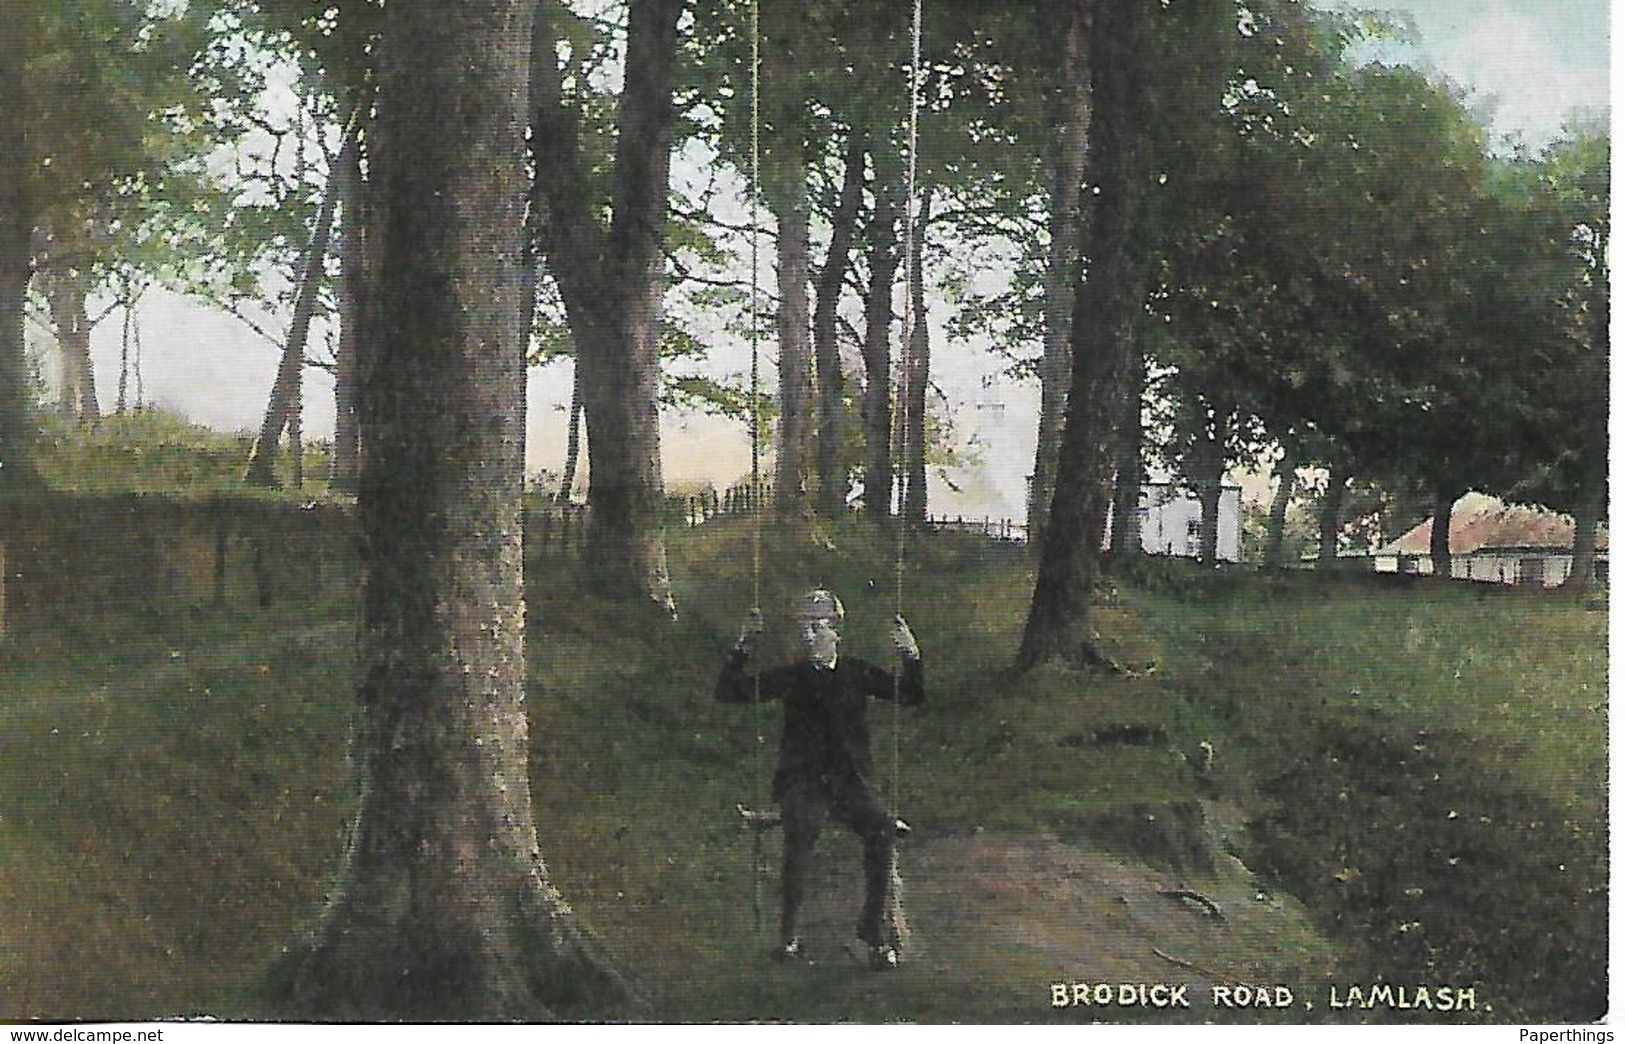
(987, 487)
(990, 491)
(1171, 520)
(1493, 542)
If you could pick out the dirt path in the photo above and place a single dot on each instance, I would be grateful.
(1020, 914)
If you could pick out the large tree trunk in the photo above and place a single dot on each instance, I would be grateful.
(445, 910)
(1286, 479)
(612, 284)
(1130, 468)
(620, 376)
(1066, 40)
(916, 375)
(1331, 516)
(1212, 486)
(877, 402)
(285, 391)
(17, 431)
(826, 347)
(1592, 506)
(622, 394)
(789, 203)
(1444, 502)
(1111, 301)
(349, 290)
(65, 293)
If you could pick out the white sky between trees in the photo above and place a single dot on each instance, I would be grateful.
(1528, 62)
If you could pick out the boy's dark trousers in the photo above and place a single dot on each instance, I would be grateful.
(804, 804)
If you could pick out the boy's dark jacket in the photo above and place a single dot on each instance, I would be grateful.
(826, 713)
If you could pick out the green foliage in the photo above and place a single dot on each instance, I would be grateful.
(1564, 280)
(151, 451)
(1365, 284)
(117, 129)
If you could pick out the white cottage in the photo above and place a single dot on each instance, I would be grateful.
(1492, 542)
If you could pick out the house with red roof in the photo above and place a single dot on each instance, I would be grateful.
(1495, 542)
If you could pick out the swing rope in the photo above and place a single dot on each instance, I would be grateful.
(910, 318)
(757, 753)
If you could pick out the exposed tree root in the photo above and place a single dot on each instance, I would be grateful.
(1188, 895)
(535, 965)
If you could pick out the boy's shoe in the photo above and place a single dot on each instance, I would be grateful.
(882, 957)
(790, 951)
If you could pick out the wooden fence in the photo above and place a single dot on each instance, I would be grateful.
(552, 528)
(992, 528)
(66, 554)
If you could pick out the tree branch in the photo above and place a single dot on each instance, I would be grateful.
(687, 275)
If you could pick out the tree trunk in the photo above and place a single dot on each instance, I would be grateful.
(1130, 468)
(916, 375)
(128, 305)
(620, 376)
(572, 442)
(1592, 506)
(1331, 517)
(788, 201)
(1286, 479)
(349, 290)
(625, 542)
(612, 284)
(285, 391)
(877, 403)
(135, 370)
(65, 293)
(826, 348)
(445, 910)
(1444, 502)
(1212, 484)
(1111, 301)
(17, 431)
(1069, 111)
(296, 435)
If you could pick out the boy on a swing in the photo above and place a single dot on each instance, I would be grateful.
(824, 762)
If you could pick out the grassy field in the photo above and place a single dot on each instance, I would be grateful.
(1405, 784)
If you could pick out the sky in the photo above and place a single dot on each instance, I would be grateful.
(1534, 61)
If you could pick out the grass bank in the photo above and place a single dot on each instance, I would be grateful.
(1426, 766)
(174, 790)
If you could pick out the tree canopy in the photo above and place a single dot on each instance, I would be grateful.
(1341, 266)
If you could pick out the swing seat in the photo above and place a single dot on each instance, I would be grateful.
(767, 819)
(898, 933)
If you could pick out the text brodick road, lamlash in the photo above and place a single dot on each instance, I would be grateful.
(1440, 997)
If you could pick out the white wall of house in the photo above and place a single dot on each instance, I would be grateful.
(1171, 521)
(1548, 567)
